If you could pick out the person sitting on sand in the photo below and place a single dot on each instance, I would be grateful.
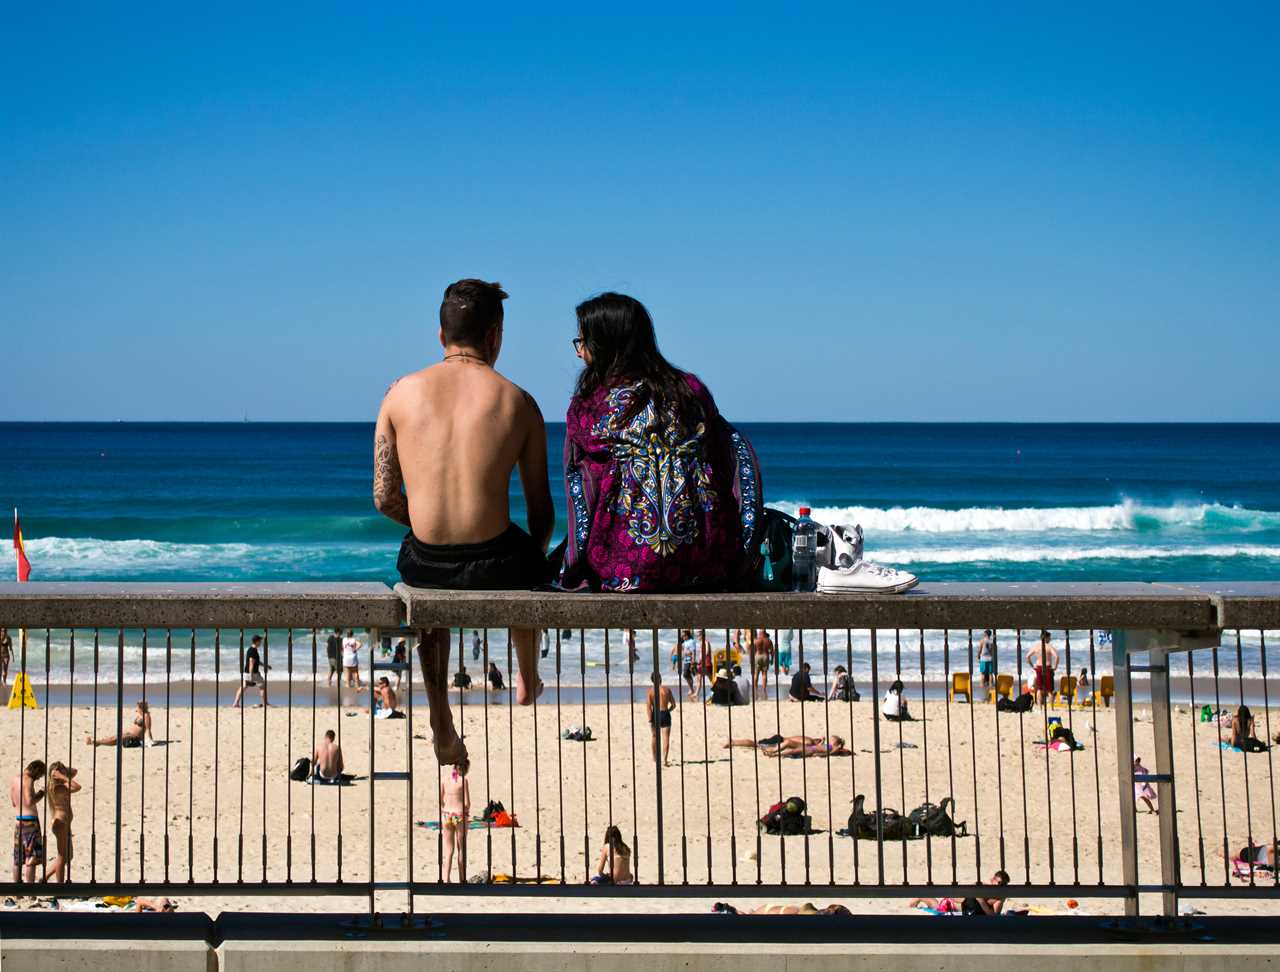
(133, 734)
(327, 759)
(62, 783)
(894, 708)
(664, 495)
(842, 688)
(496, 684)
(967, 906)
(1258, 855)
(724, 690)
(446, 442)
(28, 839)
(461, 680)
(455, 808)
(1243, 731)
(614, 864)
(386, 702)
(802, 689)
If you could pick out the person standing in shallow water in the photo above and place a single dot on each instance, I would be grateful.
(447, 440)
(663, 493)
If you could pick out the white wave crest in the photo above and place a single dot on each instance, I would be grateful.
(60, 558)
(1033, 554)
(1127, 515)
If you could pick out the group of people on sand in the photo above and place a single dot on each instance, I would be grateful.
(28, 836)
(663, 493)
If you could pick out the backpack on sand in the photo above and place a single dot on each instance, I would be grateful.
(301, 769)
(786, 819)
(933, 820)
(886, 824)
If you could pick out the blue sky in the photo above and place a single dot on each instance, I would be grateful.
(832, 215)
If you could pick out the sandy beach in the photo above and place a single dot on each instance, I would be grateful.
(225, 812)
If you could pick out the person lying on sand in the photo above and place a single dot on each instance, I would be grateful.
(153, 904)
(967, 906)
(133, 734)
(446, 442)
(722, 908)
(794, 745)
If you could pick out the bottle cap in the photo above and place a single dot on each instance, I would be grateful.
(805, 511)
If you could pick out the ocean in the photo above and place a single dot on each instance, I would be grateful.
(956, 502)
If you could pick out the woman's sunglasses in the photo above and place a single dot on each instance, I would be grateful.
(577, 345)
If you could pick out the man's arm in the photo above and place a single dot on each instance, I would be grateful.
(388, 482)
(533, 477)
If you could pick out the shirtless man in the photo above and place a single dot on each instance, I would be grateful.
(1043, 659)
(387, 701)
(28, 842)
(62, 783)
(327, 758)
(446, 442)
(659, 716)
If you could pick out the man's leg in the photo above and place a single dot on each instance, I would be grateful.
(526, 641)
(666, 745)
(433, 657)
(653, 734)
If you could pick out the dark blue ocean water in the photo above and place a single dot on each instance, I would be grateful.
(948, 501)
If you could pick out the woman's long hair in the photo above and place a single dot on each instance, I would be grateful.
(613, 840)
(617, 334)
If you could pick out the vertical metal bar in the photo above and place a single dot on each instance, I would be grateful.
(266, 668)
(315, 679)
(48, 651)
(995, 718)
(168, 721)
(409, 652)
(1162, 727)
(951, 775)
(1022, 757)
(511, 744)
(374, 640)
(706, 763)
(875, 736)
(22, 723)
(662, 876)
(1244, 762)
(586, 778)
(1097, 771)
(1271, 776)
(924, 727)
(826, 722)
(777, 710)
(635, 799)
(1124, 767)
(853, 758)
(240, 824)
(973, 755)
(902, 752)
(1071, 704)
(1044, 738)
(733, 829)
(1195, 765)
(804, 760)
(93, 805)
(119, 814)
(755, 749)
(191, 767)
(560, 755)
(288, 761)
(71, 714)
(217, 743)
(1222, 778)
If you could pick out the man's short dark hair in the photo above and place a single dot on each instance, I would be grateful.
(470, 310)
(329, 735)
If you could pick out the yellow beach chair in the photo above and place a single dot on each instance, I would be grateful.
(961, 685)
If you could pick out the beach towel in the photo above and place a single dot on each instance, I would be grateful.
(1246, 870)
(475, 823)
(1230, 748)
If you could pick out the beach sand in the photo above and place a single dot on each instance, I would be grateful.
(1033, 813)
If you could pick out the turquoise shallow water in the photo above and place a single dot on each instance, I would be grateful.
(950, 502)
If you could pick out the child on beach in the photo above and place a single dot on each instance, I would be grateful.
(1143, 790)
(614, 864)
(446, 443)
(455, 806)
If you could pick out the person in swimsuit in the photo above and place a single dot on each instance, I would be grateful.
(496, 684)
(28, 843)
(658, 704)
(455, 808)
(1043, 659)
(966, 906)
(987, 659)
(387, 703)
(134, 735)
(326, 761)
(1244, 732)
(808, 908)
(6, 654)
(62, 783)
(762, 660)
(614, 864)
(794, 745)
(333, 648)
(447, 440)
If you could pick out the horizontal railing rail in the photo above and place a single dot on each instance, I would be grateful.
(211, 809)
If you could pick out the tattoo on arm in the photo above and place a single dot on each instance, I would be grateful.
(388, 496)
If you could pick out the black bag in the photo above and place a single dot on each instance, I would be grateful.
(776, 532)
(886, 824)
(935, 821)
(301, 769)
(1023, 703)
(1066, 735)
(786, 818)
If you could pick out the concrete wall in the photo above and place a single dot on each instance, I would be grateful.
(39, 955)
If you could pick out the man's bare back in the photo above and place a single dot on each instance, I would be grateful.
(328, 759)
(456, 430)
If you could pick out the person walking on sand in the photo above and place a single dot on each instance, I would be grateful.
(351, 646)
(784, 653)
(326, 761)
(475, 646)
(28, 840)
(762, 659)
(6, 654)
(446, 442)
(253, 673)
(658, 704)
(1142, 790)
(1043, 659)
(333, 648)
(62, 783)
(689, 661)
(455, 808)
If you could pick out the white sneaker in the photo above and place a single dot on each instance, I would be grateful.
(864, 577)
(844, 546)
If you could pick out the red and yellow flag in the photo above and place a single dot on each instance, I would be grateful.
(24, 565)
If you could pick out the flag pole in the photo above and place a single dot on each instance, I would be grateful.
(17, 569)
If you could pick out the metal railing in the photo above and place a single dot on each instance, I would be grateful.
(212, 810)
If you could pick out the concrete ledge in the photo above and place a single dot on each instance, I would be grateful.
(70, 954)
(928, 606)
(55, 604)
(1244, 604)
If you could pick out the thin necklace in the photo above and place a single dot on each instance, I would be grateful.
(465, 354)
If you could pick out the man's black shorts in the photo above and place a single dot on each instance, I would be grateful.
(508, 562)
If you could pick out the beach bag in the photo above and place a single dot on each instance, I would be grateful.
(1206, 713)
(775, 534)
(870, 826)
(786, 818)
(1062, 733)
(934, 820)
(1023, 703)
(491, 810)
(301, 769)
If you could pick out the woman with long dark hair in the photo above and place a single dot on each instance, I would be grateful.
(663, 494)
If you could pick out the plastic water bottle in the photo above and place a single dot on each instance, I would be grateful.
(804, 549)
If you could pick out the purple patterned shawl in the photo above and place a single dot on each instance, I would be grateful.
(652, 509)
